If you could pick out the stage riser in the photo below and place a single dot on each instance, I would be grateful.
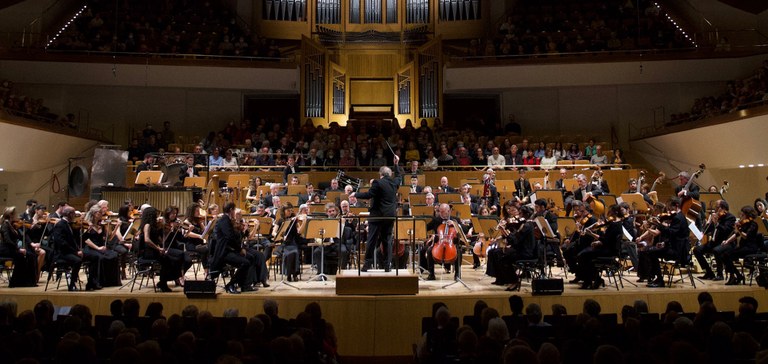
(386, 325)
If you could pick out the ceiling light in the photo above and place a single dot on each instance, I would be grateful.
(751, 166)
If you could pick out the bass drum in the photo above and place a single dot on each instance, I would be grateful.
(172, 173)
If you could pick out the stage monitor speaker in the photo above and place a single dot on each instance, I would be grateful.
(543, 286)
(200, 289)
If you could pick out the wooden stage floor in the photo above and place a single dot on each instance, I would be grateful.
(379, 326)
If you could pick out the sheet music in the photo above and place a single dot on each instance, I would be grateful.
(695, 230)
(626, 233)
(618, 201)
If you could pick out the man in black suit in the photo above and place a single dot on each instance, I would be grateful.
(522, 186)
(674, 247)
(719, 227)
(147, 164)
(415, 188)
(66, 250)
(228, 250)
(444, 187)
(290, 168)
(383, 206)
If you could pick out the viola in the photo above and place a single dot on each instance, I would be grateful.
(444, 251)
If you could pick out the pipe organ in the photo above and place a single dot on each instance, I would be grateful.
(417, 11)
(328, 11)
(286, 10)
(453, 10)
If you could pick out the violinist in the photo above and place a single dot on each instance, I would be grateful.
(629, 246)
(12, 246)
(510, 217)
(608, 244)
(750, 240)
(349, 222)
(443, 224)
(121, 239)
(228, 249)
(37, 238)
(673, 244)
(193, 227)
(552, 246)
(151, 248)
(66, 251)
(26, 216)
(104, 267)
(521, 245)
(719, 227)
(173, 241)
(257, 269)
(578, 241)
(291, 240)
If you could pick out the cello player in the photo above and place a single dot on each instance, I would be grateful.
(444, 220)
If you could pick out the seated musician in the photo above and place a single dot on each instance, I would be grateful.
(519, 243)
(306, 197)
(629, 246)
(673, 244)
(123, 237)
(66, 250)
(584, 193)
(37, 236)
(289, 250)
(719, 227)
(147, 164)
(634, 188)
(608, 244)
(152, 247)
(444, 187)
(340, 248)
(227, 249)
(274, 190)
(26, 216)
(414, 185)
(468, 199)
(441, 224)
(333, 187)
(257, 272)
(104, 269)
(11, 246)
(290, 168)
(578, 240)
(522, 186)
(188, 169)
(540, 208)
(352, 225)
(253, 196)
(354, 202)
(193, 228)
(692, 191)
(749, 242)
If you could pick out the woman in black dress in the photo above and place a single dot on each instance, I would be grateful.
(104, 269)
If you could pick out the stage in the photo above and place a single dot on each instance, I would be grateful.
(388, 325)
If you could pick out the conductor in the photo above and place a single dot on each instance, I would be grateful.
(383, 206)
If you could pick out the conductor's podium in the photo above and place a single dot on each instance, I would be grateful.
(377, 282)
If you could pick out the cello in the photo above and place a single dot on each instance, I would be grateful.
(443, 250)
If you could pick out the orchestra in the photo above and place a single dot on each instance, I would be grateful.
(109, 242)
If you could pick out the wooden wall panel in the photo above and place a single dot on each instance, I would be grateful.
(372, 65)
(372, 92)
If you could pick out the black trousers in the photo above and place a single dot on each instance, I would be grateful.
(74, 262)
(379, 232)
(241, 263)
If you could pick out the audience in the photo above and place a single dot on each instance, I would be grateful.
(163, 27)
(194, 336)
(592, 338)
(553, 28)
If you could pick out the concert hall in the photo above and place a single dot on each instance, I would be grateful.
(375, 181)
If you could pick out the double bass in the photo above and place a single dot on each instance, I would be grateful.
(688, 203)
(443, 250)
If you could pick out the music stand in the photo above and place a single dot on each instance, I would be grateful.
(422, 210)
(608, 200)
(635, 201)
(281, 233)
(417, 198)
(546, 233)
(506, 185)
(297, 190)
(332, 196)
(708, 199)
(149, 178)
(194, 181)
(450, 198)
(571, 184)
(461, 211)
(460, 257)
(321, 229)
(415, 229)
(358, 210)
(303, 178)
(552, 196)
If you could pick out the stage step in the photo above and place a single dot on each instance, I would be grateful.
(376, 282)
